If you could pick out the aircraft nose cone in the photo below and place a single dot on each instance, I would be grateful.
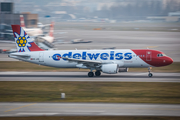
(169, 61)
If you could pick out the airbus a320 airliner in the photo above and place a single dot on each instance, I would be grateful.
(106, 61)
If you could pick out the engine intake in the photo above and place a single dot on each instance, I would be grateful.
(110, 68)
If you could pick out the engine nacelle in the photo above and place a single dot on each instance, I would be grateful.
(123, 69)
(110, 68)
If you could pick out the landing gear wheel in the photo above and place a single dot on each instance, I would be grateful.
(149, 70)
(150, 74)
(90, 74)
(98, 73)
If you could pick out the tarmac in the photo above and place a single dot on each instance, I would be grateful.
(82, 76)
(17, 109)
(26, 109)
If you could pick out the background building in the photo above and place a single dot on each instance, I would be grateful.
(8, 17)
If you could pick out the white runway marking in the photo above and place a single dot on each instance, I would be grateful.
(38, 114)
(141, 73)
(12, 73)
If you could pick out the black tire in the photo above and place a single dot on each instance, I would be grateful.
(150, 74)
(90, 74)
(98, 73)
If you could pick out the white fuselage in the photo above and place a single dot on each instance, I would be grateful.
(122, 57)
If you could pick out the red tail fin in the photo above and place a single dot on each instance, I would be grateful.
(23, 42)
(51, 29)
(22, 21)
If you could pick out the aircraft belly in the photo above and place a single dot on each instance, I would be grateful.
(66, 64)
(60, 64)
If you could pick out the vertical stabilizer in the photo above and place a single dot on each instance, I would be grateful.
(51, 29)
(22, 21)
(23, 42)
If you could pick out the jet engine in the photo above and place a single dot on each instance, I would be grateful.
(123, 69)
(110, 68)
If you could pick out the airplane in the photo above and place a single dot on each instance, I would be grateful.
(106, 61)
(77, 41)
(40, 25)
(30, 31)
(48, 37)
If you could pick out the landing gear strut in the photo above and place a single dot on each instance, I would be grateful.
(149, 70)
(90, 74)
(98, 73)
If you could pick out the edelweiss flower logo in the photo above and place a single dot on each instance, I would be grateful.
(23, 41)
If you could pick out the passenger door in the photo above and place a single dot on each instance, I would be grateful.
(148, 55)
(41, 57)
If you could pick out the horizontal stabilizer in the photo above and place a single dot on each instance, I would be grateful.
(19, 55)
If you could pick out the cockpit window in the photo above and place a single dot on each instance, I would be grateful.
(160, 55)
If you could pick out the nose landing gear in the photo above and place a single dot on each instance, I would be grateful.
(149, 70)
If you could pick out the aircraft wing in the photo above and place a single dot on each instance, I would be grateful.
(87, 63)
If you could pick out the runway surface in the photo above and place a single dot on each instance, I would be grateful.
(82, 76)
(88, 109)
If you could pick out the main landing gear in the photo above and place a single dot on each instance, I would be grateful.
(149, 70)
(97, 73)
(90, 74)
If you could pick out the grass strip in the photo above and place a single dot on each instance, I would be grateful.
(91, 118)
(110, 92)
(25, 66)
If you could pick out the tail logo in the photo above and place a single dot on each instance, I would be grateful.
(22, 41)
